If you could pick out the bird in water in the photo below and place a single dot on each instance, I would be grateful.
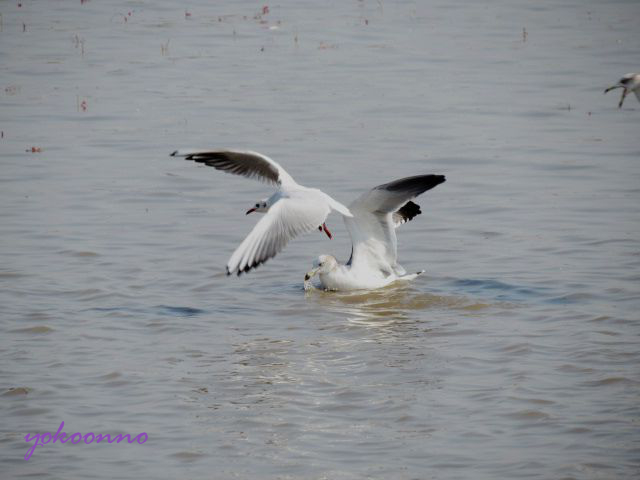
(293, 209)
(629, 83)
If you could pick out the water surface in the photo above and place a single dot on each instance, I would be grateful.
(516, 354)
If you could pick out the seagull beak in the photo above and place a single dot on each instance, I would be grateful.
(250, 210)
(612, 88)
(310, 274)
(326, 230)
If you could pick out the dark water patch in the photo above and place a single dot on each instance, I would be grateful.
(453, 332)
(601, 318)
(562, 167)
(12, 275)
(16, 391)
(517, 349)
(112, 379)
(188, 456)
(178, 311)
(542, 114)
(608, 333)
(595, 243)
(571, 298)
(84, 294)
(570, 368)
(435, 365)
(578, 430)
(103, 295)
(38, 316)
(500, 290)
(30, 411)
(109, 376)
(535, 401)
(165, 310)
(127, 310)
(79, 253)
(611, 381)
(40, 329)
(533, 415)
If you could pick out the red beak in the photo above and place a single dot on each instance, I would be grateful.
(250, 210)
(326, 230)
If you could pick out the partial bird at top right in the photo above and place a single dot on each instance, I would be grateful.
(629, 83)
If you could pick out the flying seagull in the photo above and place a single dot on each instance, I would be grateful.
(629, 83)
(294, 209)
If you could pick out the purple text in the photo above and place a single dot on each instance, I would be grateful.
(45, 438)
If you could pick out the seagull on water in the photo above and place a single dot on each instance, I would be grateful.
(629, 83)
(294, 209)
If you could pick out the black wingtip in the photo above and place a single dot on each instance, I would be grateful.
(438, 179)
(174, 153)
(247, 268)
(415, 185)
(408, 211)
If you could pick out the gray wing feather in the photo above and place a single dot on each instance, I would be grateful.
(248, 164)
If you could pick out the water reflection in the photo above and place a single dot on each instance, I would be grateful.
(389, 305)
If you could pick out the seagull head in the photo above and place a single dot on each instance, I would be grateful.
(630, 81)
(260, 206)
(322, 265)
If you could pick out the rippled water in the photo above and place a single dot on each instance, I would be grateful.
(515, 356)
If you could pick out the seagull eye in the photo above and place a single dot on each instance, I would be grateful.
(257, 205)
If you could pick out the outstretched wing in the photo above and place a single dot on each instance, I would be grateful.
(246, 163)
(285, 220)
(376, 215)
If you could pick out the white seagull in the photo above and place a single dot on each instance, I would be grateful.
(294, 209)
(629, 83)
